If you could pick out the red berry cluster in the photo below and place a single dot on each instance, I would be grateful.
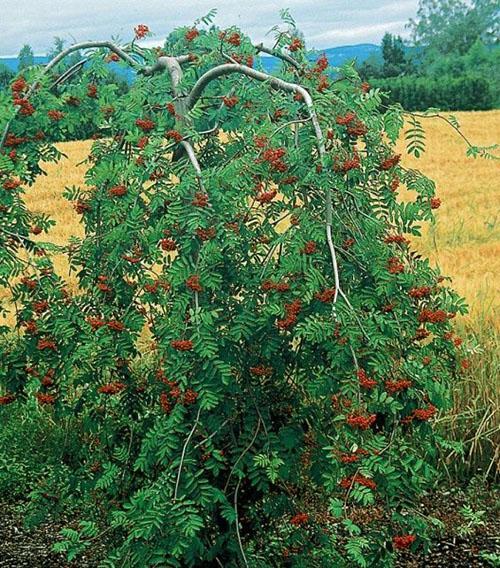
(323, 83)
(260, 141)
(92, 91)
(174, 135)
(10, 184)
(266, 196)
(398, 239)
(403, 541)
(299, 519)
(182, 344)
(348, 164)
(359, 421)
(12, 140)
(432, 316)
(268, 285)
(73, 101)
(435, 203)
(397, 386)
(273, 156)
(365, 381)
(200, 199)
(261, 371)
(114, 387)
(191, 34)
(193, 283)
(291, 310)
(345, 119)
(145, 124)
(295, 44)
(321, 64)
(55, 115)
(354, 457)
(26, 108)
(326, 296)
(141, 31)
(206, 234)
(310, 247)
(420, 292)
(31, 327)
(101, 284)
(348, 482)
(394, 265)
(117, 191)
(168, 244)
(7, 399)
(40, 306)
(233, 39)
(190, 397)
(171, 108)
(424, 414)
(116, 325)
(230, 102)
(142, 142)
(46, 344)
(45, 398)
(390, 162)
(18, 86)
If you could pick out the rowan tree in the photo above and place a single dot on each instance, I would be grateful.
(280, 411)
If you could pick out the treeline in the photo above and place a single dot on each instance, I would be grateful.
(452, 61)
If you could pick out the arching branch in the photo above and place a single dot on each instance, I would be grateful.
(280, 84)
(121, 52)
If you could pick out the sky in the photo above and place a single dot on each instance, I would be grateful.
(325, 23)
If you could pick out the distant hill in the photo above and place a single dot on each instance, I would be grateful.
(13, 62)
(336, 55)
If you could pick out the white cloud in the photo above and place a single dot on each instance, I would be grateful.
(325, 23)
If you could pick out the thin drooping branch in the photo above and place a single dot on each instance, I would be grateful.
(243, 454)
(194, 162)
(70, 72)
(186, 443)
(237, 523)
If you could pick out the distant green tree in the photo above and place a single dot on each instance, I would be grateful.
(58, 46)
(6, 76)
(371, 68)
(453, 26)
(394, 56)
(26, 57)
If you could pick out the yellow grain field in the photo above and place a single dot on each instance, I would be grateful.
(464, 241)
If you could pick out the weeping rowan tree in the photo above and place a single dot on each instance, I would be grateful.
(280, 411)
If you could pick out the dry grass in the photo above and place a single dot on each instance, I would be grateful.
(464, 242)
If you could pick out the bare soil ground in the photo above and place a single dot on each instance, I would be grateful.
(23, 548)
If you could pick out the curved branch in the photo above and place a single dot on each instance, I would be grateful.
(70, 72)
(188, 439)
(280, 84)
(194, 162)
(58, 58)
